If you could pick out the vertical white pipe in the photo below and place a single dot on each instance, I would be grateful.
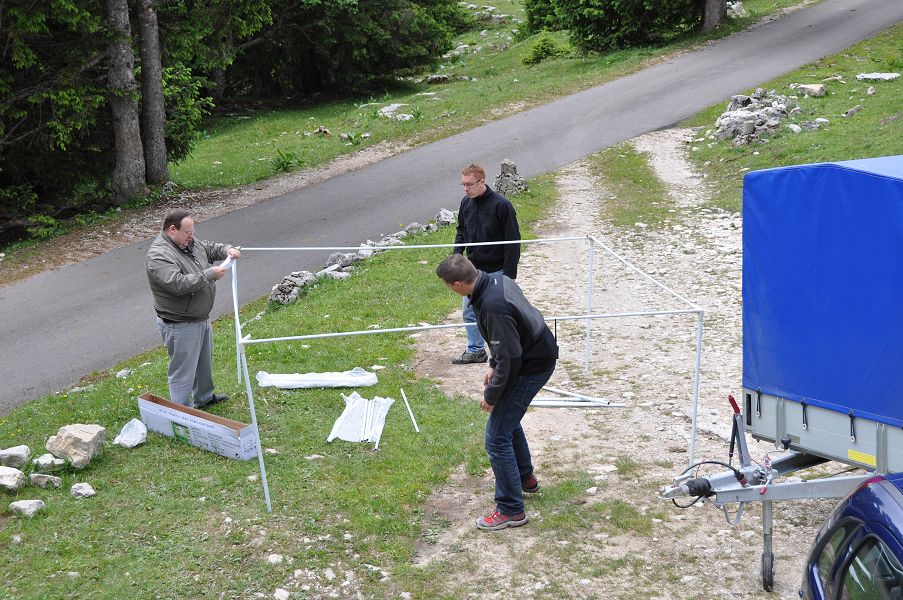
(238, 335)
(263, 469)
(589, 303)
(696, 386)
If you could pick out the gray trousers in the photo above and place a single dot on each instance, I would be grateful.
(190, 349)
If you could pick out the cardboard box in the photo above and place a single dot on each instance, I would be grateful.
(225, 437)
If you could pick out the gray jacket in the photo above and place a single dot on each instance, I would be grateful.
(182, 281)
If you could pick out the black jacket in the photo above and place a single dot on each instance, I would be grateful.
(519, 339)
(489, 218)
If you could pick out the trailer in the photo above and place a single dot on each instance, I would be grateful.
(822, 337)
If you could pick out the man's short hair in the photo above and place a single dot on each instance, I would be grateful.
(175, 217)
(475, 170)
(457, 267)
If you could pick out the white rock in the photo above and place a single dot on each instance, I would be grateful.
(592, 491)
(794, 127)
(11, 480)
(812, 89)
(27, 508)
(275, 559)
(82, 490)
(77, 443)
(48, 462)
(45, 481)
(133, 433)
(15, 456)
(124, 373)
(877, 76)
(314, 456)
(281, 594)
(329, 573)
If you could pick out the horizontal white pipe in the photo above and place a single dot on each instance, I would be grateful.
(417, 246)
(248, 341)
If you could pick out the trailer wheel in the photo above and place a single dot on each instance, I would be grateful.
(768, 571)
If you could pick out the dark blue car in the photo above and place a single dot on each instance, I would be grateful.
(859, 550)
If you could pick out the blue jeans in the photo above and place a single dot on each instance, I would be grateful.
(506, 443)
(475, 341)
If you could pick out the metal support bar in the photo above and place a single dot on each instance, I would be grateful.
(263, 469)
(589, 303)
(235, 317)
(696, 385)
(829, 487)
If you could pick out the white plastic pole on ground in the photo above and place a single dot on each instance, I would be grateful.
(574, 394)
(589, 302)
(559, 403)
(408, 406)
(696, 386)
(235, 316)
(263, 469)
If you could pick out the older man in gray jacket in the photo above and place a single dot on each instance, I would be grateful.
(183, 278)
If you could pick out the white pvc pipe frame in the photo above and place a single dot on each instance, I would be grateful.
(242, 341)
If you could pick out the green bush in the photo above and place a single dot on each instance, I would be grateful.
(185, 110)
(541, 16)
(604, 25)
(544, 47)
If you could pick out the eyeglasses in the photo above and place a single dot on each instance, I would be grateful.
(470, 184)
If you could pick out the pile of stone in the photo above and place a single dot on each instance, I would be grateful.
(340, 264)
(74, 445)
(754, 118)
(509, 183)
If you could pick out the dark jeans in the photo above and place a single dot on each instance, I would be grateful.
(506, 443)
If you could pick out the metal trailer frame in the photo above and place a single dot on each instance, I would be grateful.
(756, 482)
(566, 399)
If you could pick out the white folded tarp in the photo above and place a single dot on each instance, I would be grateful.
(362, 420)
(356, 377)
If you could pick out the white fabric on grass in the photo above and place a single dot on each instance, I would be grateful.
(362, 420)
(356, 377)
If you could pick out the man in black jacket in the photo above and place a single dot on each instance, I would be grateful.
(484, 216)
(524, 352)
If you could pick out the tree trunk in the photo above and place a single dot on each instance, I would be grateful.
(715, 13)
(153, 112)
(128, 174)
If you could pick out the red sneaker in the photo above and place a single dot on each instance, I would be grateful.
(499, 521)
(529, 484)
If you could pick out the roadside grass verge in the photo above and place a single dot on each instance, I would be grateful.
(876, 130)
(488, 80)
(173, 521)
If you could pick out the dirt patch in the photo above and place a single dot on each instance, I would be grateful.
(625, 542)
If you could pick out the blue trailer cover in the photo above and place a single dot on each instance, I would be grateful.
(823, 285)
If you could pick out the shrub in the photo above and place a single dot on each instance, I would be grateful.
(603, 25)
(541, 16)
(544, 47)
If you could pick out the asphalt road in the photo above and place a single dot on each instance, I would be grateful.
(60, 325)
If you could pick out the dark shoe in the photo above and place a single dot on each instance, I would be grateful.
(471, 357)
(529, 484)
(499, 521)
(214, 399)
